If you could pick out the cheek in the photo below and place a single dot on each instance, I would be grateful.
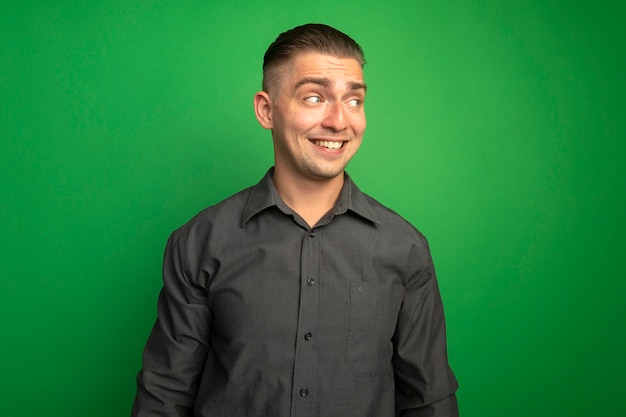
(359, 124)
(303, 121)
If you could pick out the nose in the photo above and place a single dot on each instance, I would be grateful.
(335, 117)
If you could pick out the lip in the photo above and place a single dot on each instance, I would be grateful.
(315, 142)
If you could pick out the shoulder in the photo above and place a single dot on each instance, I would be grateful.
(398, 246)
(224, 214)
(394, 225)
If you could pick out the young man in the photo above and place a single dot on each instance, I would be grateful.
(300, 296)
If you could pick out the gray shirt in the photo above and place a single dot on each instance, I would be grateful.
(261, 315)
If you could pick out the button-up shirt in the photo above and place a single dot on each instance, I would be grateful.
(263, 316)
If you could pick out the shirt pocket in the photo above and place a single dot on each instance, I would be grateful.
(373, 315)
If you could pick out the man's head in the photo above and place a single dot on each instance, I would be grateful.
(313, 102)
(312, 37)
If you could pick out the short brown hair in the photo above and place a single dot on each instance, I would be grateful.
(312, 37)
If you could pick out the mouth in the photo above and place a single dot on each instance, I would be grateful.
(328, 144)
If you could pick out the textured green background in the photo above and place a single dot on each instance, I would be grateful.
(496, 127)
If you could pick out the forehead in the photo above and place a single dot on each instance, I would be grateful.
(289, 74)
(317, 64)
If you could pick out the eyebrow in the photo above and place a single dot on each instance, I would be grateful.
(325, 82)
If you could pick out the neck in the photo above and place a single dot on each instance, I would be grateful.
(311, 199)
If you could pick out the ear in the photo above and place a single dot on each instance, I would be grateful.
(263, 109)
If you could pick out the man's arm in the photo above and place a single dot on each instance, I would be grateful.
(176, 349)
(425, 384)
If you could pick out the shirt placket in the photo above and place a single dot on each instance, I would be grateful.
(304, 394)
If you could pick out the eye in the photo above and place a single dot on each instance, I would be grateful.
(354, 102)
(313, 99)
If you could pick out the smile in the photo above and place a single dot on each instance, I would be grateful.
(328, 144)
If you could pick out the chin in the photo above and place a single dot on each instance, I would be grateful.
(327, 175)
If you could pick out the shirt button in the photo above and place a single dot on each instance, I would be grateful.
(311, 282)
(304, 392)
(312, 233)
(308, 336)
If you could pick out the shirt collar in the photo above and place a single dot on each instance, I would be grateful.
(264, 195)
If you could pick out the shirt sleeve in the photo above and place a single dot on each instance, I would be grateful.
(177, 347)
(425, 384)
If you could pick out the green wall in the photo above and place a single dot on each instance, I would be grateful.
(496, 127)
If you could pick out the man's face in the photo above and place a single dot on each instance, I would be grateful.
(316, 115)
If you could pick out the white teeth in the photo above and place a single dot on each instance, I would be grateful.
(328, 144)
